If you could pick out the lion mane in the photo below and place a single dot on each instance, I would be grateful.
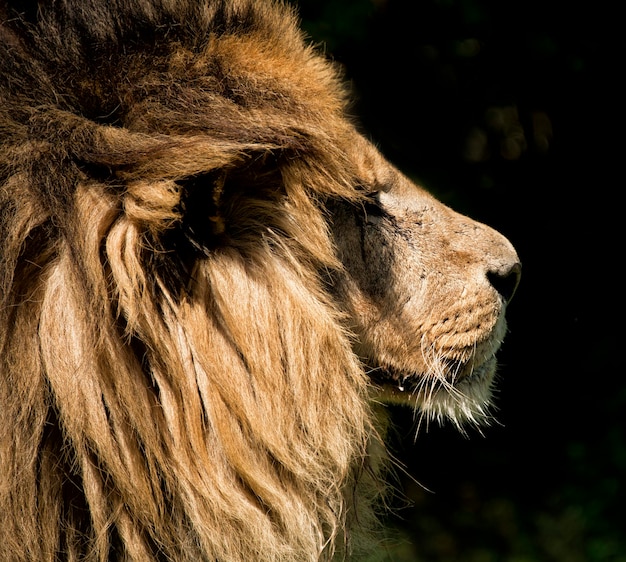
(175, 382)
(208, 280)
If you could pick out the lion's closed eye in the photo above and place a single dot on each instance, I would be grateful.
(373, 209)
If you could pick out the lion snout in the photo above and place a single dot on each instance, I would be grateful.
(500, 260)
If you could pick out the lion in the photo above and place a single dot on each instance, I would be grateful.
(211, 284)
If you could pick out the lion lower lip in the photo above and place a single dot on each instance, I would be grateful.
(399, 384)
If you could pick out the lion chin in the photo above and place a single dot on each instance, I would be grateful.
(464, 400)
(209, 279)
(461, 393)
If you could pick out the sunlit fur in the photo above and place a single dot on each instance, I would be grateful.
(167, 394)
(183, 338)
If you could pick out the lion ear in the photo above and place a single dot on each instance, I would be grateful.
(202, 198)
(194, 203)
(216, 218)
(201, 206)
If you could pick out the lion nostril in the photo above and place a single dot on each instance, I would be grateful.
(506, 280)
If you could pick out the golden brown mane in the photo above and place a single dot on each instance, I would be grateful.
(172, 388)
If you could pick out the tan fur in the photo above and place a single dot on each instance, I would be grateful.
(191, 295)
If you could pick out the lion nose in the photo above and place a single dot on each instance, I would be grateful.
(506, 279)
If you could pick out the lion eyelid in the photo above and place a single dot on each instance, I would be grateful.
(373, 209)
(384, 186)
(374, 195)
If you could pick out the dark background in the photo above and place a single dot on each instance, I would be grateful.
(511, 112)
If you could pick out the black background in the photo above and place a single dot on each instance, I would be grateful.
(511, 112)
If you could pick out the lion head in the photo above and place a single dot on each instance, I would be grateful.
(208, 281)
(425, 289)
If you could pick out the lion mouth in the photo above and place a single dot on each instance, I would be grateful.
(460, 395)
(455, 376)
